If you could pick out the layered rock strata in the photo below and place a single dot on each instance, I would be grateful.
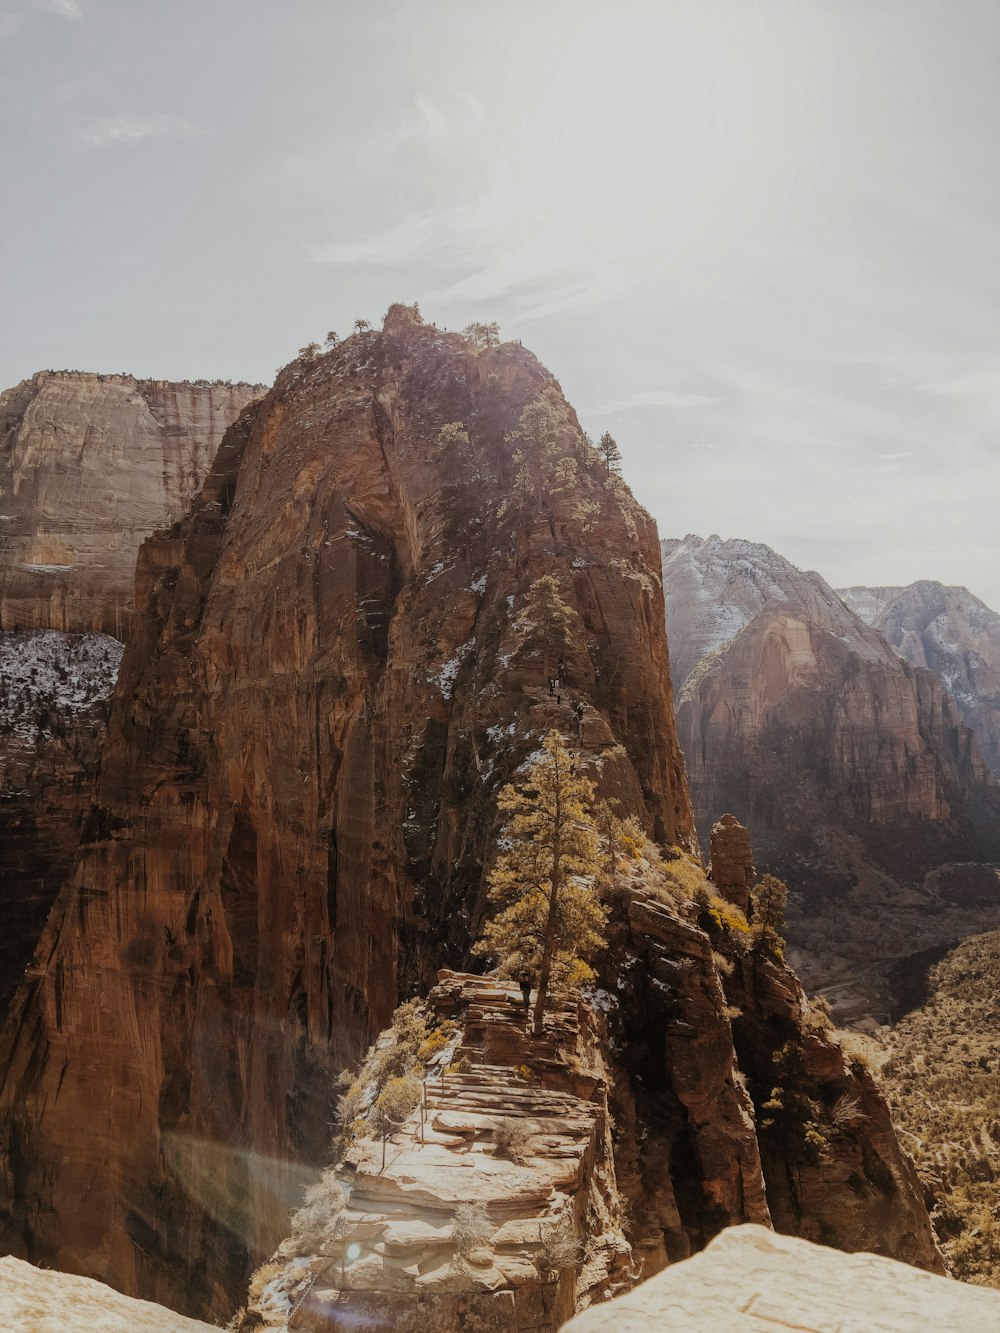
(695, 1094)
(91, 465)
(732, 869)
(951, 633)
(324, 689)
(856, 773)
(750, 1279)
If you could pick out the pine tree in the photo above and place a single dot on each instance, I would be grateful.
(545, 457)
(483, 336)
(768, 899)
(549, 922)
(607, 447)
(546, 624)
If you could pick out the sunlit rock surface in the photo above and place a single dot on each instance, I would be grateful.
(91, 465)
(34, 1300)
(752, 1280)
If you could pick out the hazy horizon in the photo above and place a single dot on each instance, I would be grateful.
(757, 243)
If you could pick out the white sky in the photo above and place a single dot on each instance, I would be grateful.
(755, 239)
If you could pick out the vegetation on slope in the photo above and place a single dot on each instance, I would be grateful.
(943, 1083)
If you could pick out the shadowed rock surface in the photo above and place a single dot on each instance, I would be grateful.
(322, 693)
(750, 1279)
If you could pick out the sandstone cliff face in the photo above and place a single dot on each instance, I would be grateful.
(322, 693)
(54, 693)
(91, 465)
(858, 777)
(951, 633)
(713, 588)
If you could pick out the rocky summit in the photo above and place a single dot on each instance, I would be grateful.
(856, 772)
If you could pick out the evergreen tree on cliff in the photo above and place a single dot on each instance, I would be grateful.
(546, 456)
(607, 447)
(549, 922)
(546, 624)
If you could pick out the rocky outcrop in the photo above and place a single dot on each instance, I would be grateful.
(34, 1300)
(694, 1094)
(324, 689)
(951, 633)
(732, 869)
(859, 780)
(54, 693)
(750, 1279)
(91, 465)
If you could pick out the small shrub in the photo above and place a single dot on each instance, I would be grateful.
(314, 1224)
(261, 1277)
(559, 1247)
(511, 1138)
(471, 1229)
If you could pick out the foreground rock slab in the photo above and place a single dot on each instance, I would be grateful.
(33, 1300)
(749, 1278)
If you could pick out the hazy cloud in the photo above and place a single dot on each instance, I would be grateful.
(67, 9)
(8, 24)
(976, 382)
(130, 129)
(650, 398)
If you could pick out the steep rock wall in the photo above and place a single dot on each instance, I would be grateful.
(856, 772)
(322, 693)
(951, 633)
(91, 465)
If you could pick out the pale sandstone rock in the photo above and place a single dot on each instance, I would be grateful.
(751, 1279)
(91, 465)
(34, 1300)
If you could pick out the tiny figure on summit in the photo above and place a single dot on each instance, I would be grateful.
(524, 981)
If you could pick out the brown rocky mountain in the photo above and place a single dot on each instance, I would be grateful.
(859, 779)
(324, 689)
(319, 699)
(953, 634)
(91, 465)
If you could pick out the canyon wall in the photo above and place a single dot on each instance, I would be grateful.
(951, 633)
(324, 688)
(856, 772)
(91, 465)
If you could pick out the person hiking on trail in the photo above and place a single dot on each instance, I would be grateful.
(552, 685)
(562, 668)
(524, 981)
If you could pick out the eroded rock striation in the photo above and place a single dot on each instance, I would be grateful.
(91, 465)
(856, 772)
(951, 633)
(323, 691)
(696, 1093)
